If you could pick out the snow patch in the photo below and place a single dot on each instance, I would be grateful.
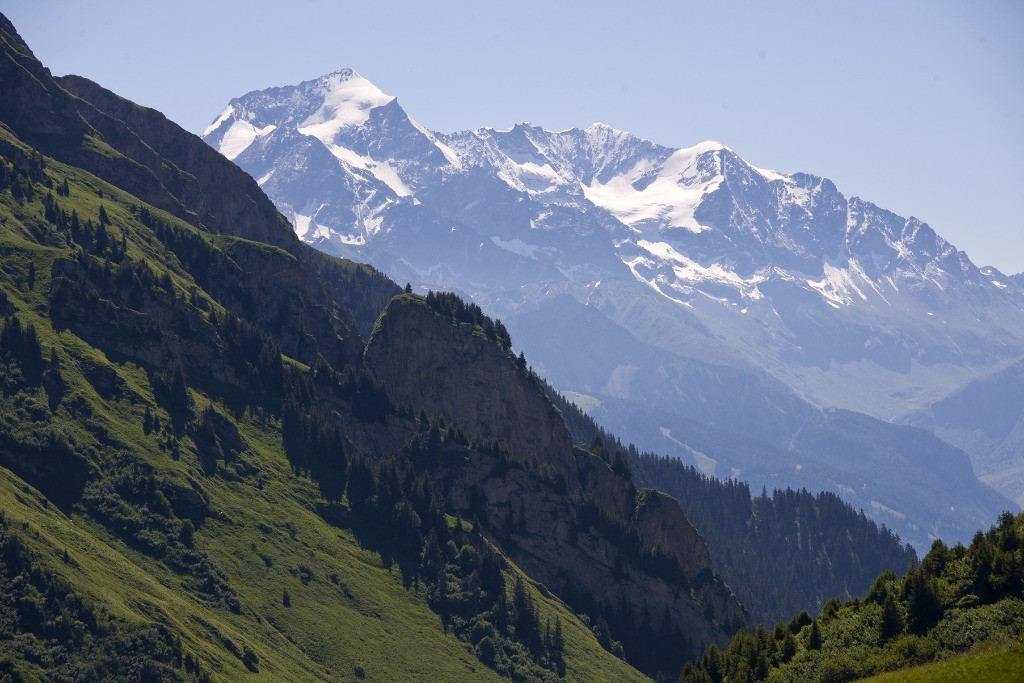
(669, 194)
(516, 246)
(449, 153)
(348, 99)
(381, 170)
(239, 136)
(641, 262)
(771, 175)
(690, 271)
(838, 285)
(301, 224)
(221, 118)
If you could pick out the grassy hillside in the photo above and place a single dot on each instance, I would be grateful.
(152, 501)
(993, 663)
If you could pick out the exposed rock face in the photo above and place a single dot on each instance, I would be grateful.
(661, 522)
(614, 495)
(425, 360)
(555, 541)
(561, 514)
(43, 116)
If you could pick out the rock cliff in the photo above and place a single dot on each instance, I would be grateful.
(426, 360)
(561, 514)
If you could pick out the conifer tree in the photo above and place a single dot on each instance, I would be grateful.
(814, 637)
(558, 641)
(892, 618)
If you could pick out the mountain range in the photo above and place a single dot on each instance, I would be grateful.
(716, 302)
(226, 455)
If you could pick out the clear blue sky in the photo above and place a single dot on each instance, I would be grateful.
(916, 106)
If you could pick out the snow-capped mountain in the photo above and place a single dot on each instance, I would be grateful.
(697, 255)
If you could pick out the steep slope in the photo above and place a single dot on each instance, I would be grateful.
(102, 135)
(733, 423)
(704, 289)
(986, 419)
(430, 353)
(119, 495)
(192, 438)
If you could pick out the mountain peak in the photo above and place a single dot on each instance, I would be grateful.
(344, 73)
(347, 101)
(603, 130)
(710, 146)
(350, 80)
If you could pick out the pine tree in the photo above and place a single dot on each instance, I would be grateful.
(179, 388)
(102, 239)
(558, 641)
(788, 647)
(814, 637)
(892, 619)
(924, 605)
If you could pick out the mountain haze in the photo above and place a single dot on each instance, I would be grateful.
(718, 296)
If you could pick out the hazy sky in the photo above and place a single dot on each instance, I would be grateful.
(916, 106)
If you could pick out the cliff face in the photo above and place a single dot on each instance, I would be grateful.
(590, 562)
(662, 523)
(561, 514)
(428, 361)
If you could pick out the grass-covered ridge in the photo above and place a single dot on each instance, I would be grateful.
(992, 662)
(153, 480)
